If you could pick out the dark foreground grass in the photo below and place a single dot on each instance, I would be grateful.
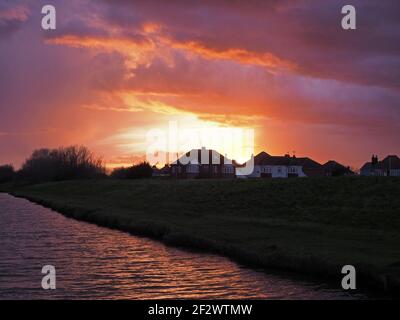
(312, 226)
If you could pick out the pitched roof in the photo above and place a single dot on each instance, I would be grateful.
(332, 166)
(308, 163)
(261, 155)
(366, 166)
(264, 159)
(370, 166)
(390, 162)
(272, 161)
(208, 156)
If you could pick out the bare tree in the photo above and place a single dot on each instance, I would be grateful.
(65, 163)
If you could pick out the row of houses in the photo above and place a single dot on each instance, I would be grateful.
(207, 163)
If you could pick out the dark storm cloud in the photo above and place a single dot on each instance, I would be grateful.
(308, 33)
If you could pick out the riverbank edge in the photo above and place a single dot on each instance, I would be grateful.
(374, 280)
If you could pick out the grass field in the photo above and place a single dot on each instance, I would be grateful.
(311, 226)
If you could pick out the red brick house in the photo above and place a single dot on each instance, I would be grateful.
(203, 163)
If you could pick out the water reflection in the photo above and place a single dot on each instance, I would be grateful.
(98, 263)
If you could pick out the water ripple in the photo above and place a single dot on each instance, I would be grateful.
(97, 263)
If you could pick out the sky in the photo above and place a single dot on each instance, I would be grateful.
(113, 70)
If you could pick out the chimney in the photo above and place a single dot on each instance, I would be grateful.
(374, 160)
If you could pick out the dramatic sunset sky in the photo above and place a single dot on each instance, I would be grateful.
(115, 69)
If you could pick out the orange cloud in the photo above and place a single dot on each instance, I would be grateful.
(154, 103)
(19, 13)
(100, 42)
(143, 51)
(264, 59)
(140, 51)
(151, 27)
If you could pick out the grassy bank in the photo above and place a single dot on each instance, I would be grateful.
(312, 226)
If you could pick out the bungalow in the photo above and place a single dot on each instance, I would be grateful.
(390, 166)
(203, 163)
(267, 166)
(335, 169)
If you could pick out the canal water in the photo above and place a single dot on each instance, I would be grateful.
(98, 263)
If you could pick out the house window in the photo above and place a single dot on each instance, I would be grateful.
(215, 169)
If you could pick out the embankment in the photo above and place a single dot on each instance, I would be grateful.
(310, 226)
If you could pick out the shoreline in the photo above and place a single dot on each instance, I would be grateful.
(311, 267)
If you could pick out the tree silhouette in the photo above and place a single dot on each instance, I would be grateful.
(75, 162)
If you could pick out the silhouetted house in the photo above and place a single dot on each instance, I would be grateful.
(162, 172)
(203, 163)
(390, 166)
(267, 166)
(335, 169)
